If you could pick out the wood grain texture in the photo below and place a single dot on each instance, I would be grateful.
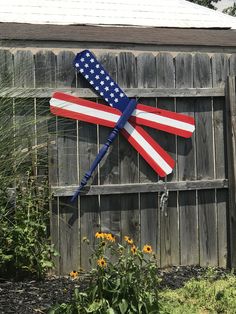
(231, 153)
(149, 214)
(146, 74)
(166, 78)
(6, 73)
(207, 228)
(109, 166)
(66, 75)
(127, 77)
(186, 150)
(144, 187)
(68, 236)
(89, 225)
(223, 244)
(24, 68)
(189, 244)
(45, 69)
(169, 235)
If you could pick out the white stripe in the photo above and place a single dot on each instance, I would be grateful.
(163, 120)
(84, 110)
(148, 148)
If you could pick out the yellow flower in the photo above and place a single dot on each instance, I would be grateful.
(74, 274)
(109, 237)
(147, 249)
(129, 240)
(99, 235)
(101, 262)
(133, 249)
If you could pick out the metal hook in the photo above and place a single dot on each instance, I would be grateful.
(164, 201)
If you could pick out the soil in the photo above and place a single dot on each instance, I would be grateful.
(33, 296)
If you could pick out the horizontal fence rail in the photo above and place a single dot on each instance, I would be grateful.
(131, 92)
(141, 187)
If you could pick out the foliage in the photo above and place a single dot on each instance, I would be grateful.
(231, 10)
(207, 295)
(23, 230)
(206, 3)
(123, 280)
(24, 195)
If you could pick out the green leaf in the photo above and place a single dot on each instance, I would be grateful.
(123, 306)
(110, 311)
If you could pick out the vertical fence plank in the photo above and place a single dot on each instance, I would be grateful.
(189, 249)
(68, 231)
(231, 153)
(170, 233)
(89, 225)
(110, 216)
(6, 73)
(25, 112)
(146, 75)
(205, 162)
(66, 75)
(169, 240)
(207, 228)
(127, 77)
(219, 76)
(109, 166)
(186, 167)
(149, 220)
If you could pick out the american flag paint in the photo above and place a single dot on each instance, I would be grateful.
(104, 85)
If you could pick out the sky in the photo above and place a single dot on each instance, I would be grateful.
(224, 4)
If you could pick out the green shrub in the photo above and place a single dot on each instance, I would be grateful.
(24, 244)
(123, 280)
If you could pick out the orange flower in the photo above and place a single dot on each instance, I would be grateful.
(74, 274)
(99, 235)
(102, 262)
(133, 249)
(110, 237)
(129, 240)
(147, 249)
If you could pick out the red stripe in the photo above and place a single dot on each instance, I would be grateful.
(79, 116)
(162, 127)
(167, 113)
(84, 102)
(144, 153)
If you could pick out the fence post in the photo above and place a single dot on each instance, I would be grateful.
(231, 152)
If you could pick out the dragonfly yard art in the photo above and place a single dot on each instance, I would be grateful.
(124, 115)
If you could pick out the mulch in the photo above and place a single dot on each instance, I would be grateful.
(32, 296)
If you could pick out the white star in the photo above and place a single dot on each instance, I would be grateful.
(86, 76)
(101, 94)
(112, 95)
(92, 71)
(97, 66)
(106, 99)
(102, 72)
(97, 77)
(116, 100)
(111, 104)
(121, 95)
(97, 88)
(107, 78)
(87, 54)
(92, 60)
(77, 65)
(86, 65)
(101, 83)
(82, 59)
(106, 88)
(112, 84)
(91, 82)
(117, 90)
(81, 70)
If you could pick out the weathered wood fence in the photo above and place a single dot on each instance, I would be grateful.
(124, 196)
